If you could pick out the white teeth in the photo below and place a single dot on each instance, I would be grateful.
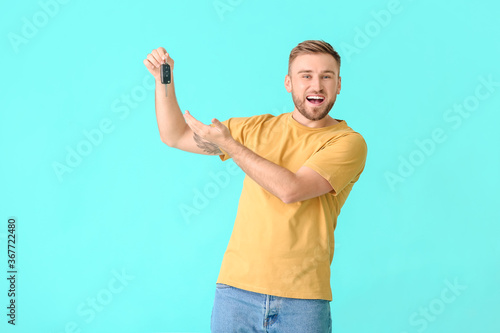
(314, 97)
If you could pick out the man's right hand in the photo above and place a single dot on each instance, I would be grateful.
(154, 60)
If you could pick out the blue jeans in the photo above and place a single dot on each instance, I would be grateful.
(240, 311)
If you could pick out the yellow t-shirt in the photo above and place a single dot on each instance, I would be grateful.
(286, 249)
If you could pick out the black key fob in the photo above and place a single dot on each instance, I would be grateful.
(165, 73)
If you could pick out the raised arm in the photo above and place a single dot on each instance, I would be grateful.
(173, 129)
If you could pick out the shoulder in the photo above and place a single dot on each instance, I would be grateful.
(249, 121)
(347, 138)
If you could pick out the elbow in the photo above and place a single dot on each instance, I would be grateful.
(172, 138)
(167, 141)
(289, 201)
(289, 197)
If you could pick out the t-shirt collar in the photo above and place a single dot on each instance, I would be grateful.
(341, 124)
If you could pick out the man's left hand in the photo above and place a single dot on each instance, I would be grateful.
(217, 134)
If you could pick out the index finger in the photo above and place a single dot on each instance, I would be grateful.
(159, 55)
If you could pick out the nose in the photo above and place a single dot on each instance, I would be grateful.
(316, 84)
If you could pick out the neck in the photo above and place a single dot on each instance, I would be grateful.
(324, 122)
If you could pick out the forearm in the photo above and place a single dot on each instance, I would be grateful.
(276, 179)
(171, 124)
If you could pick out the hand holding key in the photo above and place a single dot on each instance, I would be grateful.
(153, 63)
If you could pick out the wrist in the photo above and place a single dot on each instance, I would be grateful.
(232, 147)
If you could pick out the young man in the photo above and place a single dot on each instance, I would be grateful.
(300, 167)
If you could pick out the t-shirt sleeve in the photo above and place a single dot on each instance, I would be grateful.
(340, 161)
(235, 126)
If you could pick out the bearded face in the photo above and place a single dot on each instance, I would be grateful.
(314, 83)
(313, 105)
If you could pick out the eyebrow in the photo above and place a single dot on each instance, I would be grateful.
(310, 71)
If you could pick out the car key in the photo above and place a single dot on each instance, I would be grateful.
(165, 75)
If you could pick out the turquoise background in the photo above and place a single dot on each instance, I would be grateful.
(418, 240)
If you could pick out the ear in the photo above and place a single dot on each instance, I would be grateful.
(338, 86)
(288, 83)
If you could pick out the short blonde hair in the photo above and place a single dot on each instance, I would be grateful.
(312, 46)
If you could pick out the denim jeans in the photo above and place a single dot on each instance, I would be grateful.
(240, 311)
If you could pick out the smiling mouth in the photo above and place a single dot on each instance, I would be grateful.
(315, 100)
